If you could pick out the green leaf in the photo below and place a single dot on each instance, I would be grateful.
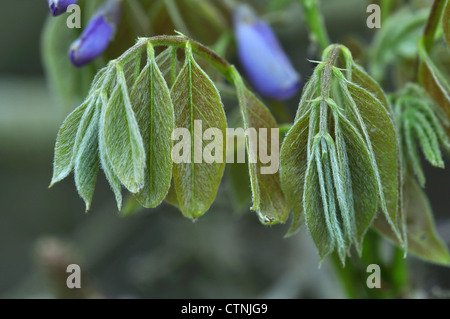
(355, 164)
(339, 161)
(422, 123)
(123, 141)
(268, 199)
(87, 158)
(361, 78)
(293, 165)
(195, 98)
(316, 215)
(153, 109)
(171, 196)
(106, 164)
(376, 126)
(423, 240)
(434, 80)
(169, 65)
(64, 157)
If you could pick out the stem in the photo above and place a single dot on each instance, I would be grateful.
(315, 23)
(433, 23)
(386, 8)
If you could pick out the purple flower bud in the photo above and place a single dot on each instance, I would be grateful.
(262, 57)
(58, 7)
(96, 36)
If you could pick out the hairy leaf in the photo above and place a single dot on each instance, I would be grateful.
(171, 196)
(195, 98)
(339, 161)
(356, 165)
(64, 157)
(268, 198)
(293, 165)
(434, 81)
(105, 161)
(169, 65)
(123, 141)
(150, 99)
(376, 126)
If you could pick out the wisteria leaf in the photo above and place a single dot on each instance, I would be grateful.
(315, 213)
(435, 82)
(87, 160)
(423, 239)
(169, 65)
(446, 23)
(106, 164)
(123, 140)
(268, 199)
(150, 99)
(171, 196)
(380, 130)
(196, 101)
(293, 165)
(363, 180)
(65, 142)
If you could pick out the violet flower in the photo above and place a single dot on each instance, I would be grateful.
(96, 36)
(266, 65)
(58, 7)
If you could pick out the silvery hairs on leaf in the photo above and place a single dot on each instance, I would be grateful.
(125, 125)
(268, 198)
(195, 97)
(339, 161)
(150, 99)
(421, 123)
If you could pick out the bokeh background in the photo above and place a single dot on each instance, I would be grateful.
(155, 253)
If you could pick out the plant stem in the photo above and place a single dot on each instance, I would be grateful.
(433, 23)
(315, 23)
(386, 8)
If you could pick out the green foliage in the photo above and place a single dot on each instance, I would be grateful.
(195, 97)
(420, 123)
(126, 125)
(434, 79)
(346, 162)
(152, 106)
(268, 198)
(339, 161)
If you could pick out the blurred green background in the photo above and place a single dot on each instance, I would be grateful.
(155, 253)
